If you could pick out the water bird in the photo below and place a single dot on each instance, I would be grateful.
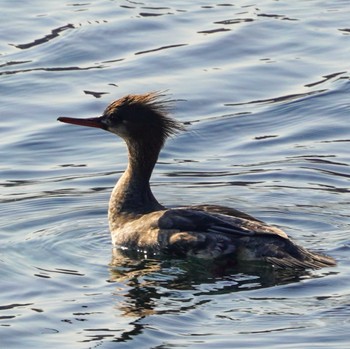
(138, 222)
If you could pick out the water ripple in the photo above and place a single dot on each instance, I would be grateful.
(54, 34)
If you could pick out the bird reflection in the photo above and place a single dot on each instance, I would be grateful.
(151, 281)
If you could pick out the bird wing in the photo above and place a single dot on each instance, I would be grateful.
(194, 219)
(229, 211)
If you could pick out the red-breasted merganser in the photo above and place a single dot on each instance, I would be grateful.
(138, 221)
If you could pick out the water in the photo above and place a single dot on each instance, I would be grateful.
(264, 87)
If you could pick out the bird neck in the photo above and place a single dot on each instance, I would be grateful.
(132, 193)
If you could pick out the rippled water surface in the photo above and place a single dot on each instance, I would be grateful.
(264, 88)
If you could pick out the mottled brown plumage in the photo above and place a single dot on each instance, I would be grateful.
(139, 222)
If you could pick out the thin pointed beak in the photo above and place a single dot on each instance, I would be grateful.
(90, 122)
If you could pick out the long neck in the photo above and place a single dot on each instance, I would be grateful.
(132, 194)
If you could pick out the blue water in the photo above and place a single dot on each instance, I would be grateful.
(264, 88)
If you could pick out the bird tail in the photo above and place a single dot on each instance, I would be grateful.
(305, 260)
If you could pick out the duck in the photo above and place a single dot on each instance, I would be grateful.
(138, 222)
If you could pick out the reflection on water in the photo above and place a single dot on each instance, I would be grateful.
(170, 289)
(147, 277)
(54, 33)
